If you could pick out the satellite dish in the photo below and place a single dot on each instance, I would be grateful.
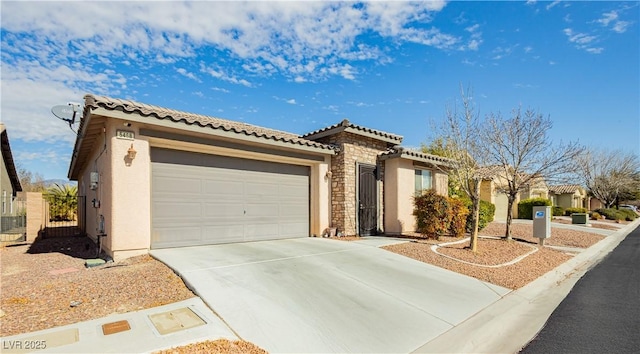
(65, 112)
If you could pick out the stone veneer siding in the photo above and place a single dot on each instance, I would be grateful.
(354, 149)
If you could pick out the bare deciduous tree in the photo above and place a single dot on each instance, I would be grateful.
(31, 182)
(459, 138)
(608, 174)
(521, 148)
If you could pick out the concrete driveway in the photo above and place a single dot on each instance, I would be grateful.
(318, 295)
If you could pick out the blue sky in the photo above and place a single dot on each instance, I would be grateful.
(300, 66)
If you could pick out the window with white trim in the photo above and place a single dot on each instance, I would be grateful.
(423, 180)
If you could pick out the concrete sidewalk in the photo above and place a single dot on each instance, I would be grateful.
(158, 328)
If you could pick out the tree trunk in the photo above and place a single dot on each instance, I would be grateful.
(475, 210)
(511, 199)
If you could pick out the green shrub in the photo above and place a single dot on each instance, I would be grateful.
(459, 212)
(525, 207)
(617, 214)
(486, 214)
(629, 215)
(570, 211)
(432, 217)
(596, 216)
(558, 211)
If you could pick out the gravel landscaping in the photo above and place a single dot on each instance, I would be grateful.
(41, 282)
(496, 251)
(217, 346)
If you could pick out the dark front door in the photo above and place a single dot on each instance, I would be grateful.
(367, 200)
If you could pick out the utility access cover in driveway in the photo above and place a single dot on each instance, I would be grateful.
(319, 295)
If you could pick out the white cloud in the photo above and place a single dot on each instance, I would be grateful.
(612, 18)
(219, 73)
(608, 17)
(269, 36)
(621, 26)
(291, 101)
(583, 41)
(552, 5)
(185, 73)
(531, 2)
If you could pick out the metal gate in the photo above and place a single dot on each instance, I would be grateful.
(63, 216)
(13, 221)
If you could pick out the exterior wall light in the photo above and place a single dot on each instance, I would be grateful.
(131, 153)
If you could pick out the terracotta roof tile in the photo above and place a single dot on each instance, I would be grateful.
(399, 151)
(564, 189)
(355, 128)
(145, 110)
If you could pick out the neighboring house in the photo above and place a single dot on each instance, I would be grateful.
(494, 185)
(9, 181)
(569, 196)
(157, 178)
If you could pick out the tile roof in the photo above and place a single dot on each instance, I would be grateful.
(345, 125)
(565, 189)
(145, 110)
(399, 151)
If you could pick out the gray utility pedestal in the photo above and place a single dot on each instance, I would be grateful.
(542, 222)
(579, 218)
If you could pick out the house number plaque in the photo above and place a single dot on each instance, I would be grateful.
(125, 134)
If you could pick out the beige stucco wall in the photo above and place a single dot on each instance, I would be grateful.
(130, 197)
(398, 196)
(123, 192)
(320, 207)
(399, 192)
(575, 200)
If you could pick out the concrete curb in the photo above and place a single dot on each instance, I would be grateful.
(510, 323)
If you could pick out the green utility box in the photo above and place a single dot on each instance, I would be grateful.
(579, 218)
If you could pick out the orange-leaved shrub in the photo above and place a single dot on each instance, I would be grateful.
(459, 212)
(437, 215)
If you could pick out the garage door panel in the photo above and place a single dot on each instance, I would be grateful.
(173, 184)
(218, 188)
(175, 209)
(223, 210)
(200, 199)
(225, 233)
(268, 209)
(292, 212)
(261, 231)
(176, 236)
(291, 229)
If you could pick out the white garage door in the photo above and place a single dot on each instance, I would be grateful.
(201, 199)
(502, 202)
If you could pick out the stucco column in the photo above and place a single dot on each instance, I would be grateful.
(130, 222)
(320, 197)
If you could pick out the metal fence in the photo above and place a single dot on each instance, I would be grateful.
(13, 221)
(63, 216)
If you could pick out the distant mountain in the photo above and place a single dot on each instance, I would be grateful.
(50, 182)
